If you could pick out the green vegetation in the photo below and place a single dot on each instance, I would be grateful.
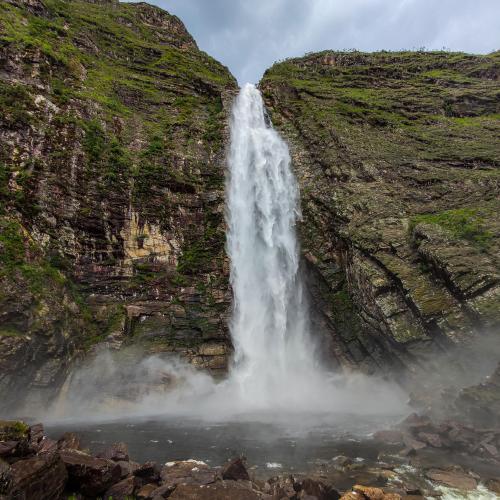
(19, 254)
(15, 103)
(462, 223)
(395, 105)
(13, 430)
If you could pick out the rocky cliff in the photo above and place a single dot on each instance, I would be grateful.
(398, 161)
(113, 128)
(112, 132)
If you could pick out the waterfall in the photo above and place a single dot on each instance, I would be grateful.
(274, 372)
(269, 327)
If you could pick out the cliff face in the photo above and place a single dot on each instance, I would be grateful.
(398, 162)
(113, 128)
(112, 133)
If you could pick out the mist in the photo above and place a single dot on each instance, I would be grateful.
(129, 384)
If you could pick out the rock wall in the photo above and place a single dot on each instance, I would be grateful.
(113, 127)
(398, 163)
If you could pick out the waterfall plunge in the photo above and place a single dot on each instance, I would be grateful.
(273, 351)
(274, 372)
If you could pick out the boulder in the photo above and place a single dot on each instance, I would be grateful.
(89, 475)
(8, 449)
(69, 441)
(42, 477)
(146, 492)
(188, 472)
(5, 478)
(127, 468)
(282, 487)
(493, 485)
(162, 491)
(221, 490)
(369, 493)
(235, 470)
(452, 478)
(415, 421)
(412, 445)
(123, 490)
(317, 489)
(117, 452)
(148, 472)
(351, 496)
(431, 439)
(36, 437)
(47, 445)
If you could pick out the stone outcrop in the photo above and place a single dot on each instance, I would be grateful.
(113, 126)
(397, 159)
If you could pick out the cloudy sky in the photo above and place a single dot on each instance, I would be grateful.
(249, 35)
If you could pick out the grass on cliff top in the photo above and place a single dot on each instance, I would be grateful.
(462, 223)
(393, 107)
(102, 47)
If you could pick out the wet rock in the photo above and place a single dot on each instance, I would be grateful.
(389, 436)
(351, 496)
(188, 472)
(452, 478)
(38, 478)
(8, 448)
(414, 422)
(481, 403)
(222, 490)
(281, 487)
(127, 468)
(69, 441)
(37, 436)
(117, 452)
(431, 439)
(47, 445)
(493, 485)
(235, 470)
(342, 461)
(90, 475)
(369, 493)
(148, 472)
(146, 492)
(122, 490)
(317, 489)
(5, 479)
(412, 445)
(162, 491)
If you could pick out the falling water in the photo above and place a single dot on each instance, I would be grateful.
(270, 321)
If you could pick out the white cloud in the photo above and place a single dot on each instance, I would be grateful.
(249, 35)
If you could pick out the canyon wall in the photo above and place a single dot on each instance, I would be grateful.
(113, 127)
(113, 136)
(398, 162)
